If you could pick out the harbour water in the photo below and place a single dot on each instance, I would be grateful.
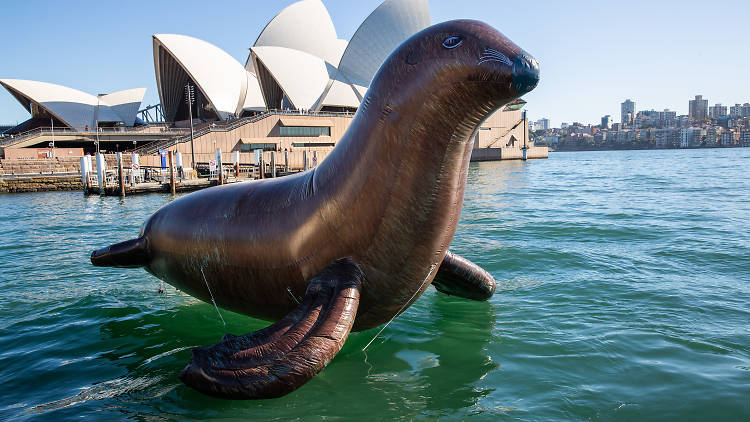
(624, 294)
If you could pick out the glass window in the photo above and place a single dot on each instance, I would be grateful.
(253, 147)
(312, 144)
(305, 131)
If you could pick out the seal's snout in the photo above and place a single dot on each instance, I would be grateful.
(128, 254)
(525, 73)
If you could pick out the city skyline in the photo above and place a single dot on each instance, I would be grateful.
(592, 57)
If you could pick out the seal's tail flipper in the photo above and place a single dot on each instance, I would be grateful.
(280, 358)
(458, 276)
(127, 254)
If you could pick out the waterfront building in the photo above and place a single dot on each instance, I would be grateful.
(698, 108)
(627, 112)
(666, 137)
(56, 105)
(290, 66)
(727, 138)
(691, 137)
(551, 139)
(713, 136)
(744, 140)
(607, 122)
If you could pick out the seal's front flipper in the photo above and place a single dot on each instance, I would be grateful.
(280, 358)
(458, 276)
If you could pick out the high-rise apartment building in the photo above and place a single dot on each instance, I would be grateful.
(717, 111)
(627, 112)
(607, 122)
(668, 118)
(698, 108)
(541, 124)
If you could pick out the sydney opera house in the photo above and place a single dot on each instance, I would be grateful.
(297, 63)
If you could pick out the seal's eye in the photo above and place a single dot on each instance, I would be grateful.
(452, 42)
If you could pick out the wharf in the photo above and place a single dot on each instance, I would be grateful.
(184, 185)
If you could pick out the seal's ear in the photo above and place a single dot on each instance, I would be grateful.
(279, 359)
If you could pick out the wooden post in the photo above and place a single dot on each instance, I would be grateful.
(304, 160)
(120, 174)
(261, 168)
(286, 161)
(171, 173)
(273, 164)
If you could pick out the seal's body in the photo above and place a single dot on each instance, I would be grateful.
(387, 198)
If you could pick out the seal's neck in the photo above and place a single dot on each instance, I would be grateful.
(404, 160)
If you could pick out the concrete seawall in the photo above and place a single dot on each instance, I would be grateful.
(40, 183)
(496, 154)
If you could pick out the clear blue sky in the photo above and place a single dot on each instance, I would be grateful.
(593, 55)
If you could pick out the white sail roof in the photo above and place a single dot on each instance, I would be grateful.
(301, 88)
(125, 103)
(385, 29)
(254, 97)
(305, 26)
(75, 108)
(220, 77)
(297, 56)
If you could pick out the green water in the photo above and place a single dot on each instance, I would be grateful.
(624, 294)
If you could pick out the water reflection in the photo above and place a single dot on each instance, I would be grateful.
(433, 359)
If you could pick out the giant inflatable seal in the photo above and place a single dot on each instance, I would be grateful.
(351, 243)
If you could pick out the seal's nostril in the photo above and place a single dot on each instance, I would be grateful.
(525, 73)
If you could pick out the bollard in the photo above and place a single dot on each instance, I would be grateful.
(89, 169)
(101, 172)
(180, 172)
(84, 174)
(120, 174)
(171, 173)
(219, 166)
(135, 169)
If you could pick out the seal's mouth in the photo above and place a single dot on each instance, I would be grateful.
(525, 73)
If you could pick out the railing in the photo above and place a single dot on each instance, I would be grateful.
(40, 131)
(153, 147)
